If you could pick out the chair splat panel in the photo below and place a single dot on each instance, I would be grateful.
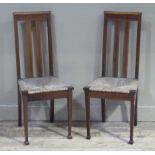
(38, 47)
(122, 22)
(125, 49)
(116, 48)
(29, 48)
(36, 50)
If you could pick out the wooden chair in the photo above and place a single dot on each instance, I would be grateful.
(36, 85)
(115, 87)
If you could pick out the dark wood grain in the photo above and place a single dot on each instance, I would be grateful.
(87, 105)
(131, 16)
(117, 18)
(25, 111)
(69, 109)
(116, 48)
(38, 47)
(104, 47)
(125, 50)
(29, 49)
(50, 45)
(103, 110)
(18, 70)
(132, 115)
(51, 110)
(29, 18)
(138, 47)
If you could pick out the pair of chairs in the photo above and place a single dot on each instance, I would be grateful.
(38, 82)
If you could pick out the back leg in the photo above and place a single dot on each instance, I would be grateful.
(19, 109)
(52, 110)
(136, 110)
(103, 110)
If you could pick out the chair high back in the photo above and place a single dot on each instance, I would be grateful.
(121, 19)
(33, 41)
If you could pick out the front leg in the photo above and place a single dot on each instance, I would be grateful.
(87, 103)
(69, 107)
(25, 111)
(132, 116)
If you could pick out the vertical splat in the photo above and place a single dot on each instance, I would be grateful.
(116, 48)
(29, 48)
(38, 47)
(125, 50)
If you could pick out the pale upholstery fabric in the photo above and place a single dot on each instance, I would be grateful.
(41, 84)
(110, 84)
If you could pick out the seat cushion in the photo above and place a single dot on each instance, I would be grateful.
(41, 84)
(110, 84)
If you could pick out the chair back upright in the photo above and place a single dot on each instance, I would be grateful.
(121, 21)
(33, 43)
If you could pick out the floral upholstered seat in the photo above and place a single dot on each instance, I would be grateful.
(111, 84)
(41, 84)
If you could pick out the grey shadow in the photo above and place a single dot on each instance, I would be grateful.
(54, 131)
(78, 113)
(9, 135)
(111, 106)
(114, 135)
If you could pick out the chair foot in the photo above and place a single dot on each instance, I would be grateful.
(88, 137)
(52, 121)
(135, 124)
(26, 142)
(19, 125)
(131, 141)
(69, 137)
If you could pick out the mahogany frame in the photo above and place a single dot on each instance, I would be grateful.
(28, 17)
(132, 95)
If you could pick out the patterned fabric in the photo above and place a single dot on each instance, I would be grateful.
(41, 84)
(110, 84)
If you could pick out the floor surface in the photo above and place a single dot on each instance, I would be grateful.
(52, 136)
